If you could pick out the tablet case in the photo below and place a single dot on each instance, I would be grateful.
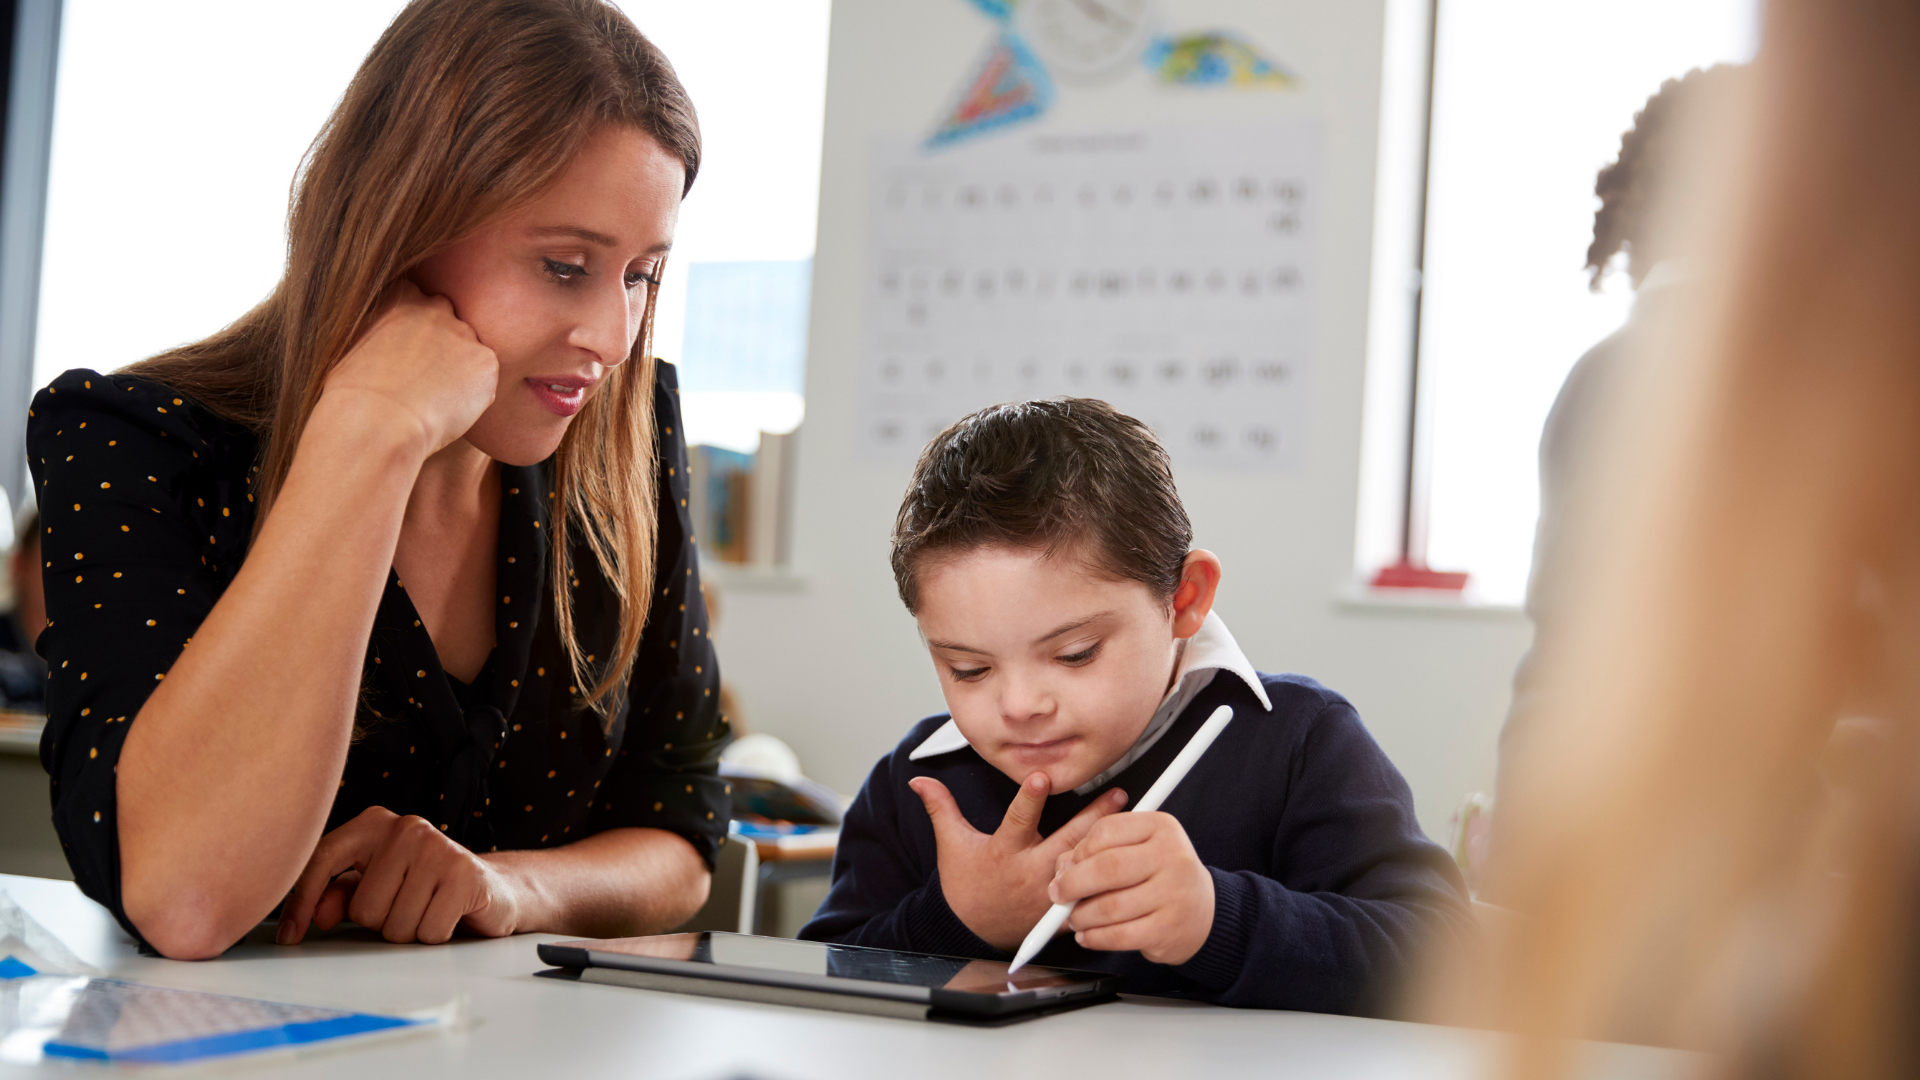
(807, 999)
(579, 961)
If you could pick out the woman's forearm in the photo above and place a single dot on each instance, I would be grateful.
(618, 883)
(228, 771)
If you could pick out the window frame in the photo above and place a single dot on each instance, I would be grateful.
(32, 63)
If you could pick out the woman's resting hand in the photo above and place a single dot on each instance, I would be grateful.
(402, 877)
(420, 360)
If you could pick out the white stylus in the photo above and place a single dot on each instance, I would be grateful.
(1056, 916)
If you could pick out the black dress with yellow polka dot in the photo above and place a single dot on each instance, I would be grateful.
(145, 499)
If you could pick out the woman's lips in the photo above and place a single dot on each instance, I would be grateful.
(561, 397)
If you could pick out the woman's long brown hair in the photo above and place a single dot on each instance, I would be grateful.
(464, 110)
(1691, 868)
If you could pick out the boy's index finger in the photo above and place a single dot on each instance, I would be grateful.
(1068, 836)
(1020, 829)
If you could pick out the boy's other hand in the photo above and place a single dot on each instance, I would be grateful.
(1139, 886)
(997, 883)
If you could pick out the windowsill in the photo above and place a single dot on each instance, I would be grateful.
(1360, 598)
(743, 577)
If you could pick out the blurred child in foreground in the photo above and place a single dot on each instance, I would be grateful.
(1663, 271)
(1749, 572)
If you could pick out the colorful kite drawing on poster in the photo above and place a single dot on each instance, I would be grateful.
(1011, 86)
(1012, 83)
(1215, 59)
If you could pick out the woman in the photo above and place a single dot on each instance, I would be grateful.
(382, 601)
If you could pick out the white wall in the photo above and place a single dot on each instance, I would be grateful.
(836, 669)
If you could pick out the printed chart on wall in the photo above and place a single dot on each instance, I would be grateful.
(1167, 271)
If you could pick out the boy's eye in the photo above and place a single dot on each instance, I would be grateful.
(1083, 656)
(563, 271)
(966, 674)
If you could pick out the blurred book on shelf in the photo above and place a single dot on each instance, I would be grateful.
(742, 503)
(795, 801)
(773, 804)
(790, 840)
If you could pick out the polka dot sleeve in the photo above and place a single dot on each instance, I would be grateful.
(665, 772)
(140, 539)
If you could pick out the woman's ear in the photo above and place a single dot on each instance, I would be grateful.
(1193, 600)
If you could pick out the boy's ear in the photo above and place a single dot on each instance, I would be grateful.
(1199, 583)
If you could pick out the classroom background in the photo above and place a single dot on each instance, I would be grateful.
(1399, 294)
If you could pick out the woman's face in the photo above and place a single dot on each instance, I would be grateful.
(557, 288)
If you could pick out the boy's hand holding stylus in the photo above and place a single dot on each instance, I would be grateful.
(1139, 882)
(1139, 886)
(997, 882)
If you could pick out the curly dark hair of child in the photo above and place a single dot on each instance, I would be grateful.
(1629, 188)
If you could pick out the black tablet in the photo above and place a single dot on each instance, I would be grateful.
(808, 973)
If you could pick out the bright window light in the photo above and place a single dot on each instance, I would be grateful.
(757, 70)
(176, 132)
(1530, 101)
(178, 127)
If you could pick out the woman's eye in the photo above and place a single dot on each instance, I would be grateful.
(564, 271)
(635, 278)
(967, 675)
(1083, 656)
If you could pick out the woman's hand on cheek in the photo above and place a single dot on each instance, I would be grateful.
(418, 360)
(1138, 885)
(402, 877)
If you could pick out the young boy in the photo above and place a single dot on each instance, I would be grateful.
(1045, 553)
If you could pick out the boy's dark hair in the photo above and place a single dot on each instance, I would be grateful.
(1071, 474)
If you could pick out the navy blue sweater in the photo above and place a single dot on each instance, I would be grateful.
(1324, 885)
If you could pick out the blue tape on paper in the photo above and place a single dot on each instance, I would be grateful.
(12, 967)
(237, 1042)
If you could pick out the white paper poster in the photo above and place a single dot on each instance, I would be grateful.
(1165, 270)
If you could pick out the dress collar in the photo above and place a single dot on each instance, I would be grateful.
(468, 725)
(1209, 652)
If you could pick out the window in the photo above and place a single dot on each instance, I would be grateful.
(177, 130)
(29, 52)
(1530, 100)
(757, 70)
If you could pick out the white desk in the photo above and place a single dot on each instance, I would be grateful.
(523, 1027)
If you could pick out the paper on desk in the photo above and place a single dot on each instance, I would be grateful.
(27, 948)
(54, 1006)
(57, 1017)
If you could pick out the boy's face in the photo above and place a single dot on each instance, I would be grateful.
(1046, 666)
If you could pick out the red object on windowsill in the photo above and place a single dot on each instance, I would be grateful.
(1407, 574)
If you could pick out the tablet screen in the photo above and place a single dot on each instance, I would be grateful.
(839, 961)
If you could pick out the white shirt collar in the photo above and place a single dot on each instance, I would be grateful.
(1209, 652)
